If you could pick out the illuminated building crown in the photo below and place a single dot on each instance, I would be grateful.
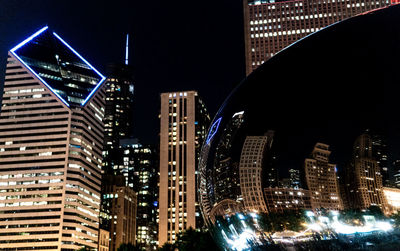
(58, 66)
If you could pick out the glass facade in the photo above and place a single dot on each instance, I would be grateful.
(292, 159)
(70, 76)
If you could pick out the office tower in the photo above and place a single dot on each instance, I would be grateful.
(363, 177)
(183, 124)
(279, 199)
(321, 179)
(139, 165)
(250, 172)
(270, 25)
(119, 90)
(380, 154)
(123, 204)
(124, 164)
(51, 141)
(294, 178)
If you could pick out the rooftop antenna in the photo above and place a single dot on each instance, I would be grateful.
(127, 49)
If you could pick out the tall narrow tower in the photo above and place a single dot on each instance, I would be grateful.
(119, 88)
(51, 138)
(183, 124)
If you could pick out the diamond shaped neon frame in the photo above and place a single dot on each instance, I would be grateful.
(213, 130)
(13, 51)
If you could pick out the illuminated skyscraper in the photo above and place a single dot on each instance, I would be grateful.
(322, 179)
(122, 205)
(183, 124)
(272, 25)
(250, 172)
(139, 166)
(363, 177)
(119, 90)
(51, 138)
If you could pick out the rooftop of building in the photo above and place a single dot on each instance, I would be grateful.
(59, 67)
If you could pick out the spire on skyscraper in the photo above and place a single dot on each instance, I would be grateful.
(127, 49)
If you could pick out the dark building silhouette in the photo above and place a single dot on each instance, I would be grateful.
(119, 90)
(294, 178)
(119, 206)
(381, 155)
(226, 172)
(139, 165)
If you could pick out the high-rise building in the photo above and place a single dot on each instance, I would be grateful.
(294, 178)
(380, 154)
(322, 180)
(184, 121)
(139, 165)
(363, 177)
(123, 204)
(119, 90)
(51, 139)
(272, 25)
(257, 170)
(250, 173)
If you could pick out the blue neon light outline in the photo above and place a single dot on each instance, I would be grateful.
(213, 132)
(29, 39)
(84, 60)
(13, 51)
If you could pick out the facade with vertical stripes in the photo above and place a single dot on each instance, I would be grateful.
(184, 122)
(51, 137)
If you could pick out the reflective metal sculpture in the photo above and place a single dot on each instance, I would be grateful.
(302, 154)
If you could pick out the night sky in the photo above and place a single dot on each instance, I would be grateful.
(175, 45)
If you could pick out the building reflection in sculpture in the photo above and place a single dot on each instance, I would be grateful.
(266, 169)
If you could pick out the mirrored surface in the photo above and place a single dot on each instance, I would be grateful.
(304, 154)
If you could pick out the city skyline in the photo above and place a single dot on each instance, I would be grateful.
(179, 41)
(306, 134)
